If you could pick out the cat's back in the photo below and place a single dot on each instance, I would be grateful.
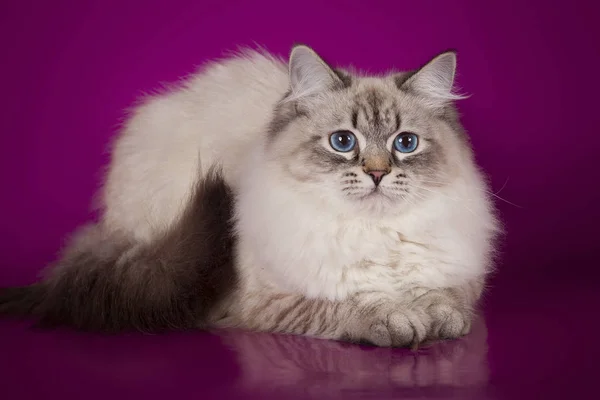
(213, 117)
(250, 78)
(234, 100)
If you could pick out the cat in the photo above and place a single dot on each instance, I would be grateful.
(297, 199)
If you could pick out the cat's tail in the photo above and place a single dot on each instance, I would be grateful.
(105, 282)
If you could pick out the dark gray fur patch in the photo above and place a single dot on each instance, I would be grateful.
(283, 115)
(420, 163)
(345, 79)
(329, 161)
(170, 284)
(401, 78)
(354, 118)
(398, 121)
(375, 115)
(375, 101)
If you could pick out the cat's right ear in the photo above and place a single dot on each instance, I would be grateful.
(434, 81)
(309, 74)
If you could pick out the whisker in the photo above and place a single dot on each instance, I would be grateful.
(438, 182)
(460, 201)
(406, 198)
(400, 189)
(501, 198)
(484, 190)
(420, 196)
(435, 191)
(503, 186)
(504, 200)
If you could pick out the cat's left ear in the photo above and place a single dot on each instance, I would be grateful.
(434, 81)
(309, 74)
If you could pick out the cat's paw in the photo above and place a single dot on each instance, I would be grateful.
(434, 315)
(447, 317)
(389, 325)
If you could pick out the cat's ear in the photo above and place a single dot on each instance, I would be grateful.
(309, 74)
(435, 80)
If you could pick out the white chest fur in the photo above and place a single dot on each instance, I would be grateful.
(302, 247)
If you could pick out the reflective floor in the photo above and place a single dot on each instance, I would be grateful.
(529, 344)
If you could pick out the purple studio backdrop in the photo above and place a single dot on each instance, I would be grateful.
(70, 69)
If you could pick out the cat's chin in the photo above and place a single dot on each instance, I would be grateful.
(374, 194)
(377, 202)
(378, 194)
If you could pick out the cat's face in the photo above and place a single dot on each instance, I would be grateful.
(367, 143)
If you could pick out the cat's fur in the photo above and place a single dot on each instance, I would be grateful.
(108, 281)
(312, 247)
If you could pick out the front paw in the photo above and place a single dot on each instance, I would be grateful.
(387, 325)
(447, 317)
(432, 316)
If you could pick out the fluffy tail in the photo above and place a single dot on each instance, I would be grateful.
(104, 282)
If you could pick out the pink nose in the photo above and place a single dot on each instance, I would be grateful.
(377, 175)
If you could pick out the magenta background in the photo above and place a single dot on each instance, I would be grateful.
(69, 69)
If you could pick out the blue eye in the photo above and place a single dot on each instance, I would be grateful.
(342, 141)
(406, 142)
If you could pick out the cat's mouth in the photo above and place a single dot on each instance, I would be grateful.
(376, 192)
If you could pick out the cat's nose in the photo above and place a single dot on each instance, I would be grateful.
(377, 175)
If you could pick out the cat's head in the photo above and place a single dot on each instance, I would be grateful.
(376, 143)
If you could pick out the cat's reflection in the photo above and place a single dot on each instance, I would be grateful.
(273, 363)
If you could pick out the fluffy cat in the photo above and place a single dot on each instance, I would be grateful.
(298, 199)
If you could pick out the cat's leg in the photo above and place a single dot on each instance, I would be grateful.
(447, 312)
(372, 317)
